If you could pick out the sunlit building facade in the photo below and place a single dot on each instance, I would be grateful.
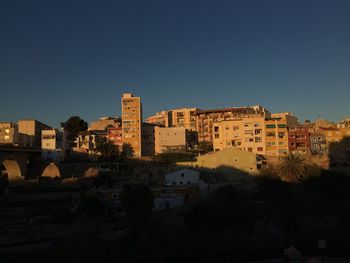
(131, 122)
(205, 119)
(246, 133)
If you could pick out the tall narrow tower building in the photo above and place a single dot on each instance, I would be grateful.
(131, 122)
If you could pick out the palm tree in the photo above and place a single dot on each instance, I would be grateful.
(292, 168)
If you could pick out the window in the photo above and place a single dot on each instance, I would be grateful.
(258, 139)
(258, 131)
(270, 134)
(235, 128)
(281, 135)
(250, 149)
(260, 149)
(182, 175)
(188, 182)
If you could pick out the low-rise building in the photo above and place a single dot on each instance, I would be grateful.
(53, 144)
(229, 159)
(9, 133)
(30, 132)
(148, 139)
(86, 141)
(182, 177)
(104, 123)
(173, 139)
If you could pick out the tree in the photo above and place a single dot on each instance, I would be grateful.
(137, 201)
(204, 147)
(292, 168)
(73, 126)
(108, 149)
(127, 150)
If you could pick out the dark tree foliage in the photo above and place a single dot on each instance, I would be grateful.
(292, 168)
(73, 126)
(204, 147)
(127, 150)
(137, 201)
(107, 149)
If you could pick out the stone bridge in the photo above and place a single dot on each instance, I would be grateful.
(19, 164)
(15, 162)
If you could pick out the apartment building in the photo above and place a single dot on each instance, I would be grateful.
(299, 140)
(131, 122)
(30, 132)
(206, 118)
(180, 118)
(9, 133)
(162, 118)
(53, 144)
(333, 134)
(105, 122)
(318, 143)
(246, 133)
(276, 136)
(173, 139)
(86, 141)
(184, 118)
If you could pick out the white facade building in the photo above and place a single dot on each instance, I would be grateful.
(53, 144)
(183, 177)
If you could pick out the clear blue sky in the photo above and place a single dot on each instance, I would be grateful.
(76, 57)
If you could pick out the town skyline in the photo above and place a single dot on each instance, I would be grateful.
(284, 56)
(146, 114)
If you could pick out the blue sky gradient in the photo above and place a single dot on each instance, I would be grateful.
(63, 58)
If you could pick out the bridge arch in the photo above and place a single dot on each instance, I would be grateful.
(91, 171)
(11, 169)
(51, 170)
